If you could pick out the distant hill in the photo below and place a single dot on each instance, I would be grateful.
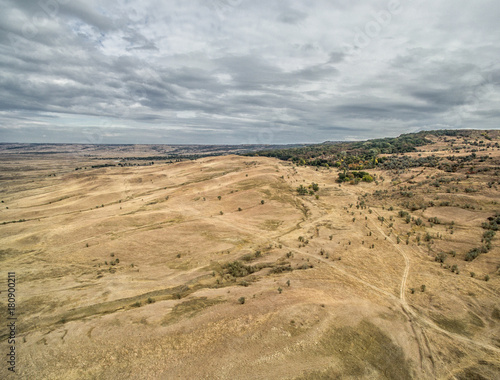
(365, 154)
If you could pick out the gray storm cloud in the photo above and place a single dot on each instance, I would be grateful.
(240, 71)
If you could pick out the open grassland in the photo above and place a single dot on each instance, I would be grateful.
(217, 268)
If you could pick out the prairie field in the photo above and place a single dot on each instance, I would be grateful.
(218, 268)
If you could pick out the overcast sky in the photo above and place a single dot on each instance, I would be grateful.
(245, 71)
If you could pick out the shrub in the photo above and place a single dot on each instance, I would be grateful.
(248, 257)
(237, 269)
(472, 254)
(302, 190)
(281, 269)
(441, 257)
(367, 178)
(241, 300)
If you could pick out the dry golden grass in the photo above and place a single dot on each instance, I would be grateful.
(123, 273)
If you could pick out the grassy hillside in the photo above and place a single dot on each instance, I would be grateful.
(239, 267)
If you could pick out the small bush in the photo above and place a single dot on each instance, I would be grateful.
(302, 190)
(237, 269)
(402, 214)
(472, 254)
(441, 257)
(241, 300)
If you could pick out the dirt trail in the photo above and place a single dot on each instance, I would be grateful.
(418, 322)
(420, 318)
(427, 363)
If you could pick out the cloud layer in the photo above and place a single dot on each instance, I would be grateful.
(241, 71)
